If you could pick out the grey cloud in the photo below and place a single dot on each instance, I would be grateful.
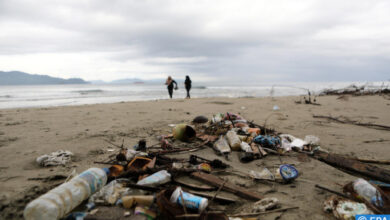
(278, 46)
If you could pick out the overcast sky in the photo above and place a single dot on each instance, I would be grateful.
(263, 41)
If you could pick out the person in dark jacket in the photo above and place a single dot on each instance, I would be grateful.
(188, 83)
(170, 87)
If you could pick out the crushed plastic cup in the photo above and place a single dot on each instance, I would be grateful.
(191, 201)
(265, 204)
(222, 146)
(265, 174)
(287, 172)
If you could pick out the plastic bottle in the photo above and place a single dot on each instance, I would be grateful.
(191, 201)
(222, 146)
(233, 140)
(368, 192)
(156, 179)
(59, 201)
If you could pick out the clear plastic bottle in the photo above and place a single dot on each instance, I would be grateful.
(59, 201)
(368, 192)
(233, 140)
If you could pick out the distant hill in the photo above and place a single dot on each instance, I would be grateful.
(21, 78)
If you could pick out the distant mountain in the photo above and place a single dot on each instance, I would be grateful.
(21, 78)
(97, 82)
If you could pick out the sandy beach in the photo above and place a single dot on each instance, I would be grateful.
(28, 133)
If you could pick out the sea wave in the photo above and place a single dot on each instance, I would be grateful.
(91, 91)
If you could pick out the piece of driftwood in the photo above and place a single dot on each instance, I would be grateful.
(387, 162)
(262, 213)
(217, 182)
(262, 151)
(348, 121)
(358, 90)
(195, 186)
(343, 162)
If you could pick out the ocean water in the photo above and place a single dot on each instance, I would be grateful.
(64, 95)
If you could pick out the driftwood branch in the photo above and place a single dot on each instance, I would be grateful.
(354, 166)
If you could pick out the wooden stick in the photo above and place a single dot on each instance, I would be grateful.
(215, 195)
(184, 203)
(262, 213)
(332, 191)
(112, 143)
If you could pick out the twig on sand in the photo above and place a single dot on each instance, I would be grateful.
(332, 191)
(6, 178)
(348, 121)
(113, 143)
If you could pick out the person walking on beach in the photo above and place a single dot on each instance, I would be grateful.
(169, 84)
(188, 83)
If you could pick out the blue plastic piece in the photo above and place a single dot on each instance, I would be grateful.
(106, 170)
(267, 141)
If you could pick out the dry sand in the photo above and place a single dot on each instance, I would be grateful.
(28, 133)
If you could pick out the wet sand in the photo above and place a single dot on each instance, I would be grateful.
(28, 133)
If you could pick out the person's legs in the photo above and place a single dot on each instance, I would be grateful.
(188, 93)
(170, 91)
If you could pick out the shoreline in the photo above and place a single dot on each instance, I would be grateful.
(73, 95)
(26, 133)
